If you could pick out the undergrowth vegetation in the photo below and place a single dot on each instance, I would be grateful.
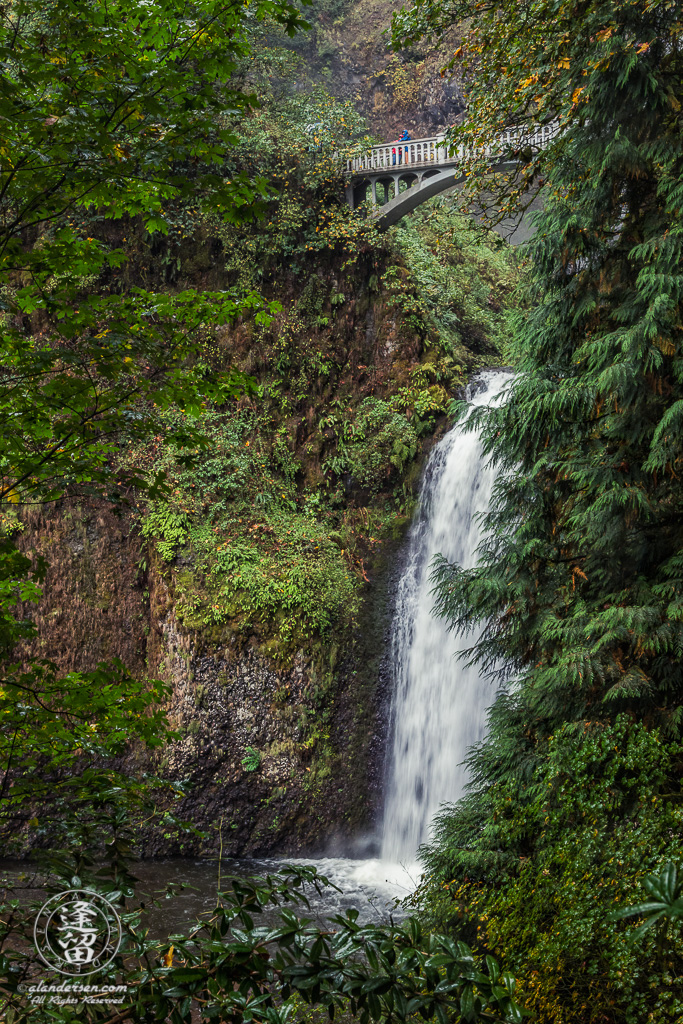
(271, 528)
(456, 288)
(597, 818)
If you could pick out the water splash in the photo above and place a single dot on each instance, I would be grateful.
(440, 703)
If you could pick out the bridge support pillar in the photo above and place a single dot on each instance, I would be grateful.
(349, 196)
(374, 191)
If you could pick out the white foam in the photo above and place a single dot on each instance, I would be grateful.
(373, 886)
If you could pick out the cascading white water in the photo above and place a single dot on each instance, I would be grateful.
(440, 703)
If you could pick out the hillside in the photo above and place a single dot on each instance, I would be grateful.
(348, 51)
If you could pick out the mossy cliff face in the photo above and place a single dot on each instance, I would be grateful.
(93, 608)
(259, 586)
(280, 758)
(277, 756)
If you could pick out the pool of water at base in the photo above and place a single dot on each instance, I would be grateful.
(372, 886)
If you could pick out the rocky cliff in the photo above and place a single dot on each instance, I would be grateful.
(349, 50)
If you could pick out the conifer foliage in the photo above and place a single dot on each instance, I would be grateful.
(580, 583)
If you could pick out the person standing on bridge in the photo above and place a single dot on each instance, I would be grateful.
(403, 151)
(403, 138)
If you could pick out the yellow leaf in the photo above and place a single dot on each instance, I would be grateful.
(564, 63)
(576, 94)
(168, 959)
(643, 48)
(604, 34)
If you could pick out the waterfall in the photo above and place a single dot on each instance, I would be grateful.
(440, 703)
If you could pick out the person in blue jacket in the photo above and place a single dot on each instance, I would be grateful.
(403, 153)
(403, 138)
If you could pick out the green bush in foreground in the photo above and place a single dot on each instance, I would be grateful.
(232, 969)
(552, 865)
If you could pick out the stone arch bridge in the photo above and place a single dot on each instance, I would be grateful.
(396, 177)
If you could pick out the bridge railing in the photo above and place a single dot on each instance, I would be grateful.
(432, 151)
(392, 155)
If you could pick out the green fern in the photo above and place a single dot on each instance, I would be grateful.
(251, 760)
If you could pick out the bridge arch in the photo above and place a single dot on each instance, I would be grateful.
(388, 186)
(408, 200)
(409, 179)
(358, 192)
